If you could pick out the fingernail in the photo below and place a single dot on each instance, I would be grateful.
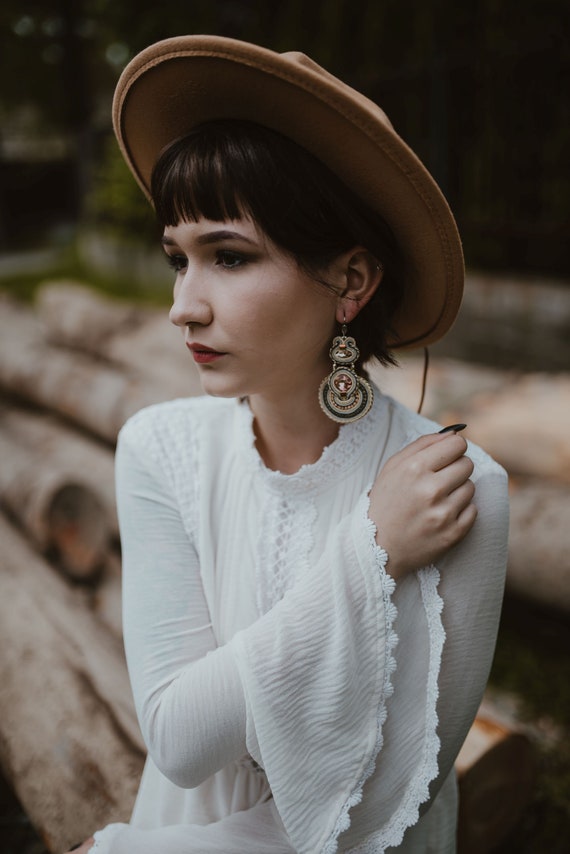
(453, 428)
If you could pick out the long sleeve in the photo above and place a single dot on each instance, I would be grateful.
(187, 693)
(317, 702)
(447, 627)
(351, 742)
(356, 728)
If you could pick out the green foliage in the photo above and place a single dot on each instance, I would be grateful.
(532, 659)
(116, 204)
(69, 264)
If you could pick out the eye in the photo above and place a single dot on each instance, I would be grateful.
(230, 260)
(176, 262)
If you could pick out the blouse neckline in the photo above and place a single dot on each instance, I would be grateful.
(337, 459)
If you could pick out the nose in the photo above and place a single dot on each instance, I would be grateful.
(190, 305)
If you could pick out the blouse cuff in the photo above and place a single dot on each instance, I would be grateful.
(405, 814)
(316, 674)
(104, 839)
(364, 538)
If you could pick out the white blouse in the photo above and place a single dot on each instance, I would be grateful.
(291, 697)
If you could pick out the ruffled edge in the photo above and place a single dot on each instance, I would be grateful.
(387, 588)
(103, 838)
(417, 791)
(336, 459)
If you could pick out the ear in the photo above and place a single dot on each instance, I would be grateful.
(361, 274)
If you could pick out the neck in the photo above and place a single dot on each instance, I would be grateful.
(292, 431)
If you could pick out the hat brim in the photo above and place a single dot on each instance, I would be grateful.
(177, 84)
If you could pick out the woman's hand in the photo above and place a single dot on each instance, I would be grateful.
(421, 501)
(84, 848)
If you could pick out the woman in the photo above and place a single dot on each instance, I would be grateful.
(312, 573)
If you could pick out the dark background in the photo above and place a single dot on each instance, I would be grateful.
(478, 88)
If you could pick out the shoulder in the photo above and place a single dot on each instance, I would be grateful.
(170, 428)
(411, 426)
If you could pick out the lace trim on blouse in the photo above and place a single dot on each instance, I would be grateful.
(289, 512)
(417, 792)
(285, 542)
(388, 586)
(336, 460)
(104, 838)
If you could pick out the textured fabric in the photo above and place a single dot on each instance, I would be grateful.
(260, 622)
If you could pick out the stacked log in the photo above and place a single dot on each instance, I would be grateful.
(496, 772)
(138, 341)
(61, 498)
(69, 740)
(94, 392)
(72, 370)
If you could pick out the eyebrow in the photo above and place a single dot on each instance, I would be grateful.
(212, 237)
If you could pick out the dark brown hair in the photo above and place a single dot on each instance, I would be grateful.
(225, 169)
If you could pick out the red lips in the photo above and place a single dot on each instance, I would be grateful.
(202, 354)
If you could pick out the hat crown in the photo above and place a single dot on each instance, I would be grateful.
(298, 58)
(178, 84)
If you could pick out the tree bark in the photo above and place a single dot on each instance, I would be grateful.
(142, 341)
(95, 395)
(75, 316)
(69, 739)
(82, 458)
(524, 425)
(539, 542)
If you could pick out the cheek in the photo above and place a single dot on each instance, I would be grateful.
(287, 310)
(271, 312)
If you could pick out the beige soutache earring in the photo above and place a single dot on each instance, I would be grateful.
(343, 395)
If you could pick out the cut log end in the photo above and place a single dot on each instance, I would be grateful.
(496, 775)
(78, 531)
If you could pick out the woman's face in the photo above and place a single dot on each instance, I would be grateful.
(254, 322)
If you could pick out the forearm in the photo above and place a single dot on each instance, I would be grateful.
(196, 724)
(187, 695)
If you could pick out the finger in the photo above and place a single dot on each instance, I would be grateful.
(466, 520)
(461, 498)
(454, 475)
(422, 443)
(461, 514)
(440, 454)
(453, 428)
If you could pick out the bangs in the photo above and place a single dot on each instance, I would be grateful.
(234, 169)
(212, 175)
(227, 170)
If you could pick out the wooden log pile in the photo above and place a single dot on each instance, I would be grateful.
(72, 370)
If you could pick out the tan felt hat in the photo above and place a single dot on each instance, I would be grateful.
(178, 83)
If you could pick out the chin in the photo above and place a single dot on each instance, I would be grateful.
(216, 386)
